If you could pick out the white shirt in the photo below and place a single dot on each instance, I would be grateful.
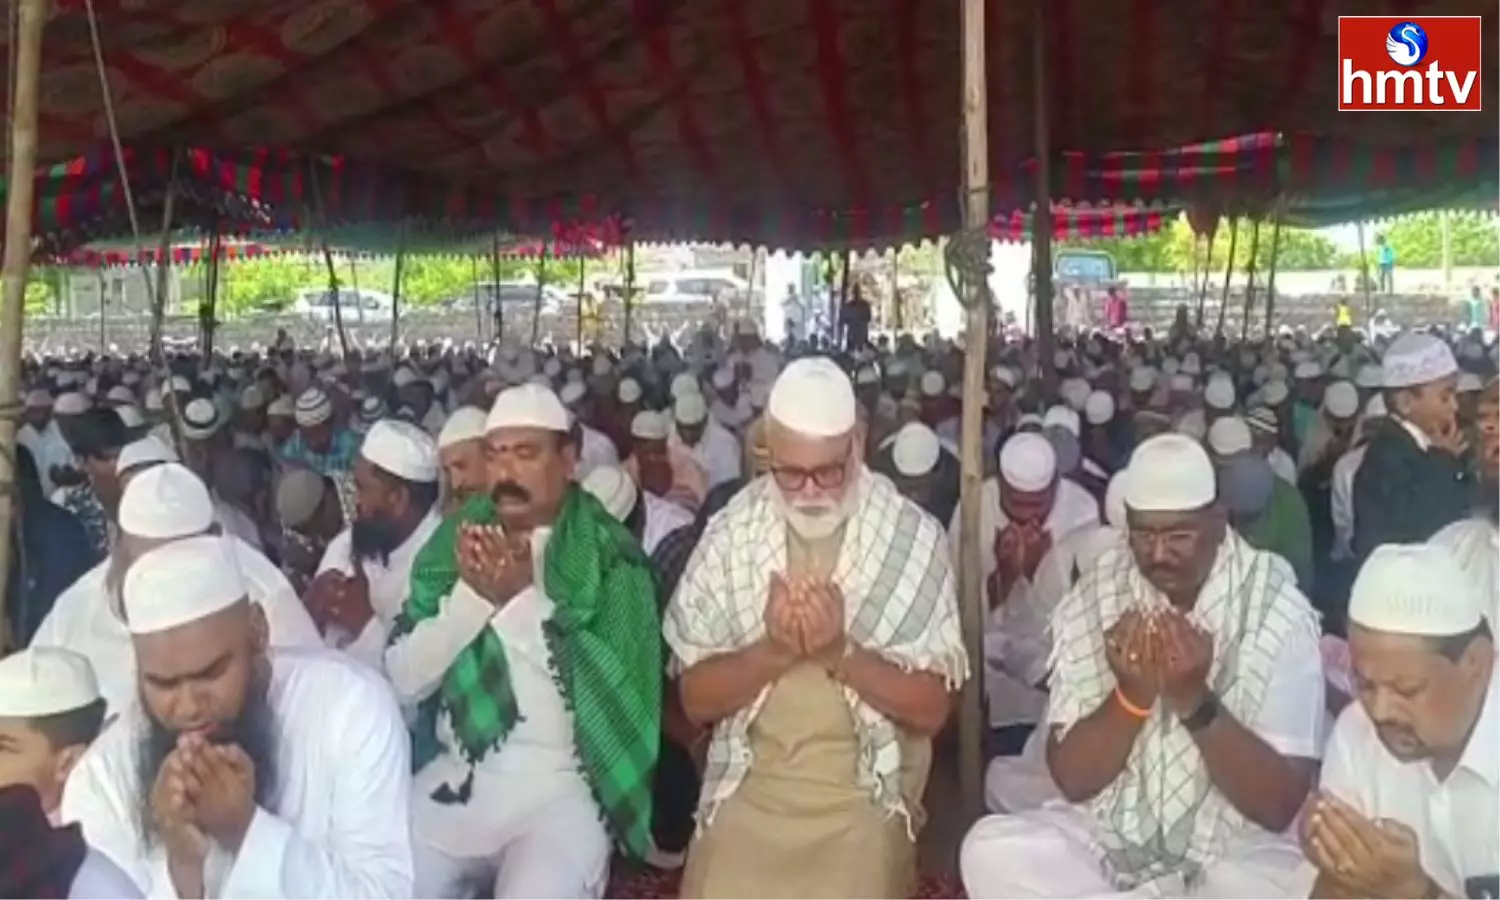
(1455, 819)
(718, 452)
(1341, 501)
(84, 620)
(235, 522)
(337, 823)
(662, 518)
(733, 417)
(597, 450)
(99, 878)
(388, 585)
(48, 449)
(538, 761)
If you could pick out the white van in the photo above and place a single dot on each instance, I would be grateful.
(355, 306)
(689, 285)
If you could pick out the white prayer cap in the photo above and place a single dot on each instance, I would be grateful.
(1063, 417)
(528, 405)
(723, 377)
(120, 394)
(683, 383)
(1028, 462)
(1341, 400)
(45, 681)
(466, 424)
(649, 426)
(1142, 379)
(813, 397)
(1415, 589)
(932, 384)
(1369, 377)
(1074, 392)
(1469, 383)
(552, 367)
(166, 501)
(403, 377)
(1169, 473)
(200, 420)
(1169, 366)
(629, 390)
(689, 408)
(1375, 408)
(1114, 501)
(130, 415)
(613, 488)
(1099, 409)
(1028, 420)
(1263, 419)
(1193, 423)
(572, 393)
(181, 582)
(71, 404)
(312, 408)
(1006, 376)
(1275, 392)
(915, 450)
(1416, 359)
(402, 449)
(282, 406)
(867, 375)
(1229, 435)
(38, 399)
(1219, 394)
(252, 398)
(297, 496)
(148, 450)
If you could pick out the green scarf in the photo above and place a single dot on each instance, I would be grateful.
(605, 640)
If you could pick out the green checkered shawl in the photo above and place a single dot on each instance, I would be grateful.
(605, 642)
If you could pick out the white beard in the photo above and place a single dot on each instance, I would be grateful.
(816, 523)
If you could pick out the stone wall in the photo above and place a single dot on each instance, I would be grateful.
(1156, 307)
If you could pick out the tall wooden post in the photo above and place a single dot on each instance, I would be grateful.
(32, 14)
(1041, 220)
(970, 258)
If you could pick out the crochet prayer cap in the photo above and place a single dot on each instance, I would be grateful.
(1219, 394)
(1417, 589)
(200, 420)
(813, 397)
(649, 426)
(45, 681)
(166, 501)
(312, 408)
(915, 450)
(466, 424)
(629, 390)
(402, 449)
(181, 582)
(1416, 359)
(528, 405)
(1028, 463)
(1169, 473)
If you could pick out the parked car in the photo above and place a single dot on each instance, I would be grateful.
(355, 306)
(514, 295)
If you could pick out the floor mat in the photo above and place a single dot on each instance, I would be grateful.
(645, 883)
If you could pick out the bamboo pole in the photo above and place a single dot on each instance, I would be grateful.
(1275, 252)
(1234, 241)
(583, 266)
(209, 310)
(629, 298)
(32, 15)
(478, 298)
(1250, 273)
(1364, 272)
(103, 329)
(499, 311)
(974, 145)
(396, 290)
(1041, 220)
(158, 290)
(536, 305)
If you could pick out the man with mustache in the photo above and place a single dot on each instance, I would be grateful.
(363, 579)
(461, 454)
(1408, 804)
(530, 648)
(816, 630)
(1186, 711)
(242, 771)
(1475, 541)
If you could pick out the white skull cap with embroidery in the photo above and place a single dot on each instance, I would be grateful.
(402, 449)
(200, 420)
(1341, 400)
(629, 390)
(120, 394)
(813, 397)
(181, 582)
(1417, 589)
(1416, 359)
(528, 405)
(613, 488)
(1275, 392)
(166, 501)
(1028, 462)
(1229, 435)
(1169, 473)
(915, 450)
(146, 451)
(649, 426)
(313, 408)
(1369, 378)
(45, 681)
(466, 424)
(1469, 383)
(1142, 379)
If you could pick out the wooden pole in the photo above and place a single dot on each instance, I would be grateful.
(396, 290)
(209, 309)
(499, 311)
(974, 144)
(1250, 273)
(478, 298)
(1271, 275)
(583, 267)
(1234, 240)
(1364, 272)
(1041, 221)
(629, 298)
(103, 329)
(536, 305)
(32, 14)
(159, 307)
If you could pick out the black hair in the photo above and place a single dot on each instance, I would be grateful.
(97, 434)
(1452, 647)
(72, 728)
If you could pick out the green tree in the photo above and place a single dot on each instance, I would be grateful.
(43, 291)
(265, 285)
(1172, 249)
(1418, 240)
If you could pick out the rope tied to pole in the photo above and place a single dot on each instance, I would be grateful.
(966, 265)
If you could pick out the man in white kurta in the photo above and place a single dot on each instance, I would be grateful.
(362, 581)
(713, 446)
(163, 502)
(315, 806)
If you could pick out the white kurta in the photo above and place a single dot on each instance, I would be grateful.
(718, 452)
(1283, 465)
(529, 802)
(733, 417)
(97, 877)
(662, 518)
(388, 584)
(335, 826)
(84, 620)
(235, 522)
(48, 449)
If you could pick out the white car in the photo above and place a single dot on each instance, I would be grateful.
(355, 307)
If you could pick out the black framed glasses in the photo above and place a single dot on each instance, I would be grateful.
(795, 478)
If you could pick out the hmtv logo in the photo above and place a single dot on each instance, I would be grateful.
(1395, 64)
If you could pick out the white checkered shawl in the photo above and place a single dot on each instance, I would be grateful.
(1162, 816)
(899, 601)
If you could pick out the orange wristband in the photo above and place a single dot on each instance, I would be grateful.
(1125, 704)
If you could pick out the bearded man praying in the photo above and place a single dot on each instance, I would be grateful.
(530, 648)
(242, 771)
(816, 631)
(1186, 711)
(362, 581)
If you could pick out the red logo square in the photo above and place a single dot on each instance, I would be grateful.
(1410, 64)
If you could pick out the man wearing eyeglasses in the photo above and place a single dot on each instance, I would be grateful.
(816, 632)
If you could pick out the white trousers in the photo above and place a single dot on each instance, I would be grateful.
(1014, 784)
(1049, 852)
(561, 853)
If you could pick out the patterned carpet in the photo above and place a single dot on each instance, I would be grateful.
(646, 883)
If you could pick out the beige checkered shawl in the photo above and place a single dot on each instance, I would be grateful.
(897, 579)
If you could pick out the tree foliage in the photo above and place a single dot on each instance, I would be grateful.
(1418, 240)
(1175, 249)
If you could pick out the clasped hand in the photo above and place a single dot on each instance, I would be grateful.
(203, 791)
(496, 565)
(1159, 653)
(805, 619)
(1370, 858)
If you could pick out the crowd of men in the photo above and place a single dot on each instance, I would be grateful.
(456, 621)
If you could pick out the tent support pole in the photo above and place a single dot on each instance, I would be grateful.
(1041, 220)
(31, 16)
(396, 290)
(1250, 272)
(1234, 241)
(974, 146)
(1364, 272)
(629, 298)
(499, 311)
